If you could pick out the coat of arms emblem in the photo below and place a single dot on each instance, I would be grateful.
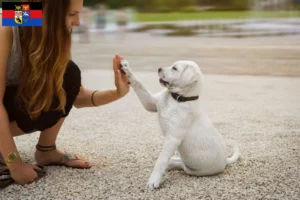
(22, 13)
(18, 14)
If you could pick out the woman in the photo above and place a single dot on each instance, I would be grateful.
(50, 85)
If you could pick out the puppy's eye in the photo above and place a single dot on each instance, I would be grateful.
(174, 68)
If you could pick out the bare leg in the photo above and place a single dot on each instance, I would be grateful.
(48, 138)
(14, 129)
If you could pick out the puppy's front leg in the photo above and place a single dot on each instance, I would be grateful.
(147, 99)
(170, 145)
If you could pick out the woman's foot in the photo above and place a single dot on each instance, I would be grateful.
(57, 157)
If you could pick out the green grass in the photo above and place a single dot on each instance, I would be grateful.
(175, 16)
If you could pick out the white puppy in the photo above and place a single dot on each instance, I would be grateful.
(186, 129)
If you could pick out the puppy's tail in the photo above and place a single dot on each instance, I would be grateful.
(235, 156)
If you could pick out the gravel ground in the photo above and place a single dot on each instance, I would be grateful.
(260, 110)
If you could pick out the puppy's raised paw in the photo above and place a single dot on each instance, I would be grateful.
(125, 68)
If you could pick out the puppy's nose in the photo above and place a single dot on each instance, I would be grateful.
(160, 69)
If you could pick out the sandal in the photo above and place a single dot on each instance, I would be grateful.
(62, 162)
(5, 177)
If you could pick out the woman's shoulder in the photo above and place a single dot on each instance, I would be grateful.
(72, 77)
(73, 69)
(6, 41)
(6, 33)
(0, 18)
(7, 30)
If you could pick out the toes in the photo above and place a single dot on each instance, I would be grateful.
(123, 68)
(124, 63)
(78, 163)
(152, 186)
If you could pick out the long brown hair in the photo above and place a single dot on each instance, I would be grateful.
(45, 53)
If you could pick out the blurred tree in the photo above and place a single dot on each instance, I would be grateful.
(121, 3)
(172, 5)
(241, 4)
(144, 5)
(91, 2)
(111, 3)
(230, 4)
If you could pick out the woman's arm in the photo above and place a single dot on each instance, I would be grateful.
(7, 144)
(85, 98)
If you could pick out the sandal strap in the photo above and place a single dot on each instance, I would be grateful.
(67, 157)
(4, 173)
(45, 148)
(6, 179)
(2, 162)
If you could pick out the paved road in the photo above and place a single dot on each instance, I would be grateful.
(261, 113)
(123, 141)
(252, 56)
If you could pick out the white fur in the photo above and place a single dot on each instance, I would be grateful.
(185, 127)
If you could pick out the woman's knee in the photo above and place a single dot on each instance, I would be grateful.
(14, 129)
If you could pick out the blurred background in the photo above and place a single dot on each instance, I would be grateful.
(253, 37)
(236, 18)
(249, 52)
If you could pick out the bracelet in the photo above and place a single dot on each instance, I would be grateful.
(45, 148)
(12, 157)
(92, 97)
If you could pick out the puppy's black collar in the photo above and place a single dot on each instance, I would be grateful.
(179, 98)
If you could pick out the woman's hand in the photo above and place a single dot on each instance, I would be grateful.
(121, 80)
(23, 173)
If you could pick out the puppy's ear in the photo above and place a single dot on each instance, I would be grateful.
(195, 79)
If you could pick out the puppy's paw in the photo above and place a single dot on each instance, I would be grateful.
(154, 182)
(125, 68)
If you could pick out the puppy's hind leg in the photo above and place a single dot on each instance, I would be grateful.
(200, 172)
(175, 163)
(192, 172)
